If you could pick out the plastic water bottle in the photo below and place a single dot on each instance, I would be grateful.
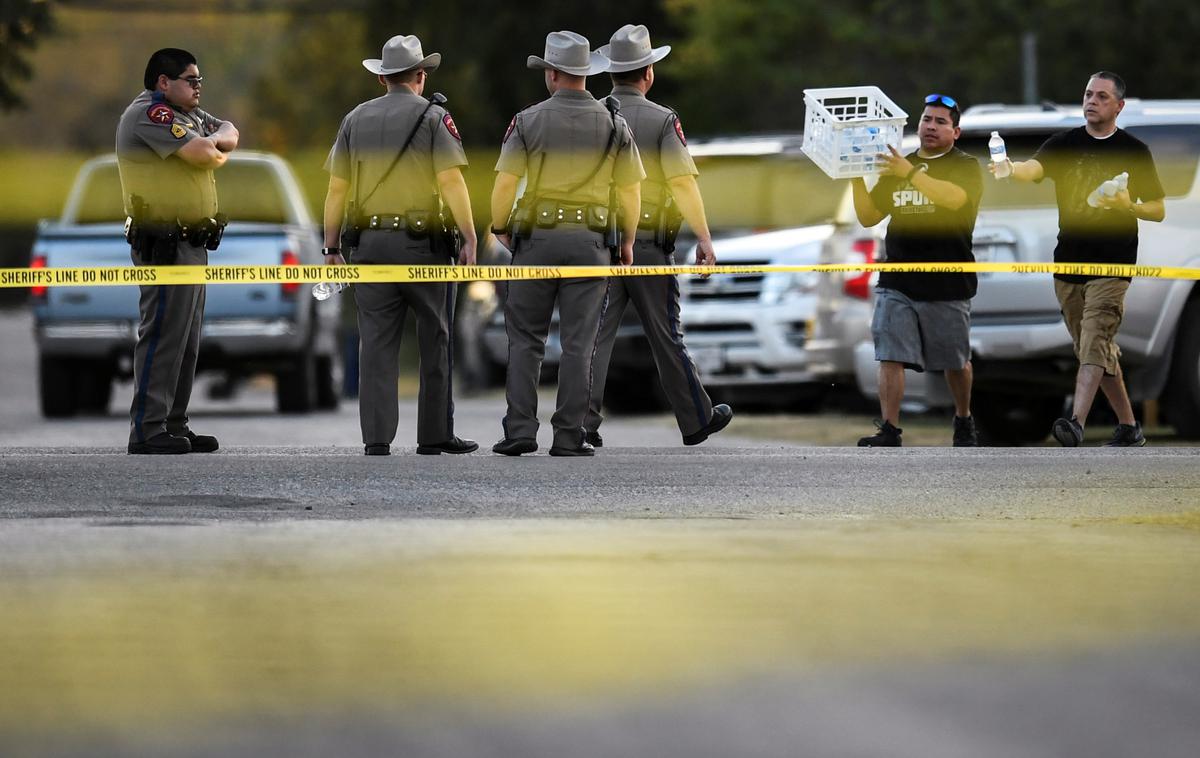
(999, 155)
(1109, 188)
(326, 290)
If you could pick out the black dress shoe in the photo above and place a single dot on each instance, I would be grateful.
(454, 445)
(722, 415)
(583, 450)
(161, 444)
(201, 443)
(377, 448)
(593, 438)
(515, 446)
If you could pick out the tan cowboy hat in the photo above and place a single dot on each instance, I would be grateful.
(402, 53)
(629, 49)
(570, 53)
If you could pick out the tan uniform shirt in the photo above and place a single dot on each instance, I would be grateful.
(149, 135)
(660, 140)
(572, 130)
(369, 140)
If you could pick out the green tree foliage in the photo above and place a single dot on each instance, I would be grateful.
(745, 63)
(484, 44)
(22, 23)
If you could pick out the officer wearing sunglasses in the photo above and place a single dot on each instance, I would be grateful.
(922, 320)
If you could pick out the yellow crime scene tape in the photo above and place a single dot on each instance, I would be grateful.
(356, 274)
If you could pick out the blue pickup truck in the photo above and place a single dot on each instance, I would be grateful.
(85, 335)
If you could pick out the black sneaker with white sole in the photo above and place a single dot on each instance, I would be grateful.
(1068, 432)
(1127, 435)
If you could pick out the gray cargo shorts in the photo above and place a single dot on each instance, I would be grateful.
(923, 335)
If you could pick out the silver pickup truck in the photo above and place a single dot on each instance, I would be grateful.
(1022, 354)
(85, 335)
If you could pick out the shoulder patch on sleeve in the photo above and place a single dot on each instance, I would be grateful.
(177, 131)
(679, 131)
(508, 132)
(161, 113)
(448, 120)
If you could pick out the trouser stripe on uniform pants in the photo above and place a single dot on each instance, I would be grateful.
(596, 342)
(451, 292)
(144, 384)
(693, 385)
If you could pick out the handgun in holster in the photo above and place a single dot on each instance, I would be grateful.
(670, 220)
(351, 226)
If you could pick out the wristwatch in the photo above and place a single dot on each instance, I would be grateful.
(331, 251)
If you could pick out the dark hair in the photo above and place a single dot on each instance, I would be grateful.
(629, 77)
(1118, 82)
(403, 77)
(170, 61)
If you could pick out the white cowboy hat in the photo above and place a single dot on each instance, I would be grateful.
(402, 53)
(570, 53)
(629, 49)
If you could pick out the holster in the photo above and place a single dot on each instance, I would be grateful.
(669, 222)
(351, 227)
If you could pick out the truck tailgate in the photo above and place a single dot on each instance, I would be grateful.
(106, 247)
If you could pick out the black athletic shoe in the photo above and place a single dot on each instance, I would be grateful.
(377, 448)
(1068, 432)
(721, 416)
(454, 446)
(887, 436)
(1126, 435)
(964, 432)
(515, 446)
(161, 444)
(593, 438)
(201, 443)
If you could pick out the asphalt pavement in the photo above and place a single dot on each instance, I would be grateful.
(289, 596)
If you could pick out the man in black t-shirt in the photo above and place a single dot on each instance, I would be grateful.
(1103, 230)
(923, 321)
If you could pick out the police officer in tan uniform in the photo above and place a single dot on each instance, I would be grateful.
(167, 149)
(396, 160)
(669, 195)
(570, 149)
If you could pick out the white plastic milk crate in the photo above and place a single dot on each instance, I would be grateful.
(846, 127)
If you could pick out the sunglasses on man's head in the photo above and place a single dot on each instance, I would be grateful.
(943, 100)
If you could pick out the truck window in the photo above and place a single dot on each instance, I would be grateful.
(247, 191)
(1176, 151)
(766, 192)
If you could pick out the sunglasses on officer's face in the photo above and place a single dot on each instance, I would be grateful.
(943, 100)
(195, 81)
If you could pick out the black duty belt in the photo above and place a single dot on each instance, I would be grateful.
(415, 223)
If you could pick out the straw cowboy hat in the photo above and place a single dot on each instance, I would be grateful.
(402, 53)
(629, 49)
(570, 53)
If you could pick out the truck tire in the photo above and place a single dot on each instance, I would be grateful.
(1183, 387)
(56, 387)
(1008, 419)
(327, 391)
(634, 392)
(94, 387)
(296, 385)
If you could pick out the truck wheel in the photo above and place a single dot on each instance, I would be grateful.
(296, 385)
(1009, 419)
(327, 393)
(56, 387)
(635, 392)
(1183, 387)
(94, 384)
